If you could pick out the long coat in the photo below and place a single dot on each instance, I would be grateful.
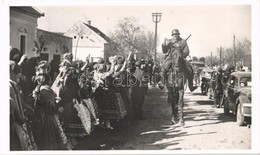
(20, 137)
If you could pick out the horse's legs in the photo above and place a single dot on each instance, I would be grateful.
(180, 107)
(172, 101)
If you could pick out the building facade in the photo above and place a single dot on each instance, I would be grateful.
(87, 41)
(53, 45)
(23, 28)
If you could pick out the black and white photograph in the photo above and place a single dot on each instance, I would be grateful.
(171, 77)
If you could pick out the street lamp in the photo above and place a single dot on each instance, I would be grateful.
(156, 19)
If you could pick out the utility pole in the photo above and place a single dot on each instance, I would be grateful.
(156, 19)
(234, 50)
(220, 50)
(223, 59)
(211, 60)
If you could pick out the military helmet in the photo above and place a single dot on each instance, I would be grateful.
(220, 69)
(175, 32)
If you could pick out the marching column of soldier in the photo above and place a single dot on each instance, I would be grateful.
(53, 104)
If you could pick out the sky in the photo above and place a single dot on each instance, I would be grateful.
(211, 26)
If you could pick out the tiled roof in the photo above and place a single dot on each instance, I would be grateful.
(101, 34)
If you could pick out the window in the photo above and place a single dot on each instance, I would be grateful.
(232, 80)
(44, 56)
(245, 81)
(22, 44)
(75, 37)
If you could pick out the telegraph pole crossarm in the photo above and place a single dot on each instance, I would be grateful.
(156, 19)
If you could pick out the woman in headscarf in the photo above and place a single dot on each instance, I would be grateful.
(47, 129)
(107, 96)
(76, 117)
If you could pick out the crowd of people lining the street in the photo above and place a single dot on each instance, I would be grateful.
(51, 104)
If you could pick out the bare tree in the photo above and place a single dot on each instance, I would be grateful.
(79, 30)
(212, 61)
(243, 52)
(131, 36)
(242, 55)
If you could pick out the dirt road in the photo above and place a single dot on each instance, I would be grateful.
(206, 128)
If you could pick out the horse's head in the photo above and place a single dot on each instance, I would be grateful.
(177, 58)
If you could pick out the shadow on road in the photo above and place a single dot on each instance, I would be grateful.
(205, 102)
(155, 132)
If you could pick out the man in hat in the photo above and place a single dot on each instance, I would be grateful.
(177, 43)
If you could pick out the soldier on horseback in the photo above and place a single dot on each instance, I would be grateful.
(177, 43)
(176, 70)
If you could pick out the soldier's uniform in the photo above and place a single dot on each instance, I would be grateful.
(196, 75)
(180, 47)
(176, 50)
(218, 89)
(225, 78)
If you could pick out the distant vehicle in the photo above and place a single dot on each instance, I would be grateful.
(238, 99)
(206, 72)
(197, 68)
(200, 64)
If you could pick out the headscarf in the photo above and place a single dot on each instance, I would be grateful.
(68, 56)
(43, 67)
(101, 68)
(15, 55)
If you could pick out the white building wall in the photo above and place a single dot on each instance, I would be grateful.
(83, 52)
(21, 24)
(89, 43)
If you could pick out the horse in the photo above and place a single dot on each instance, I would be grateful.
(175, 78)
